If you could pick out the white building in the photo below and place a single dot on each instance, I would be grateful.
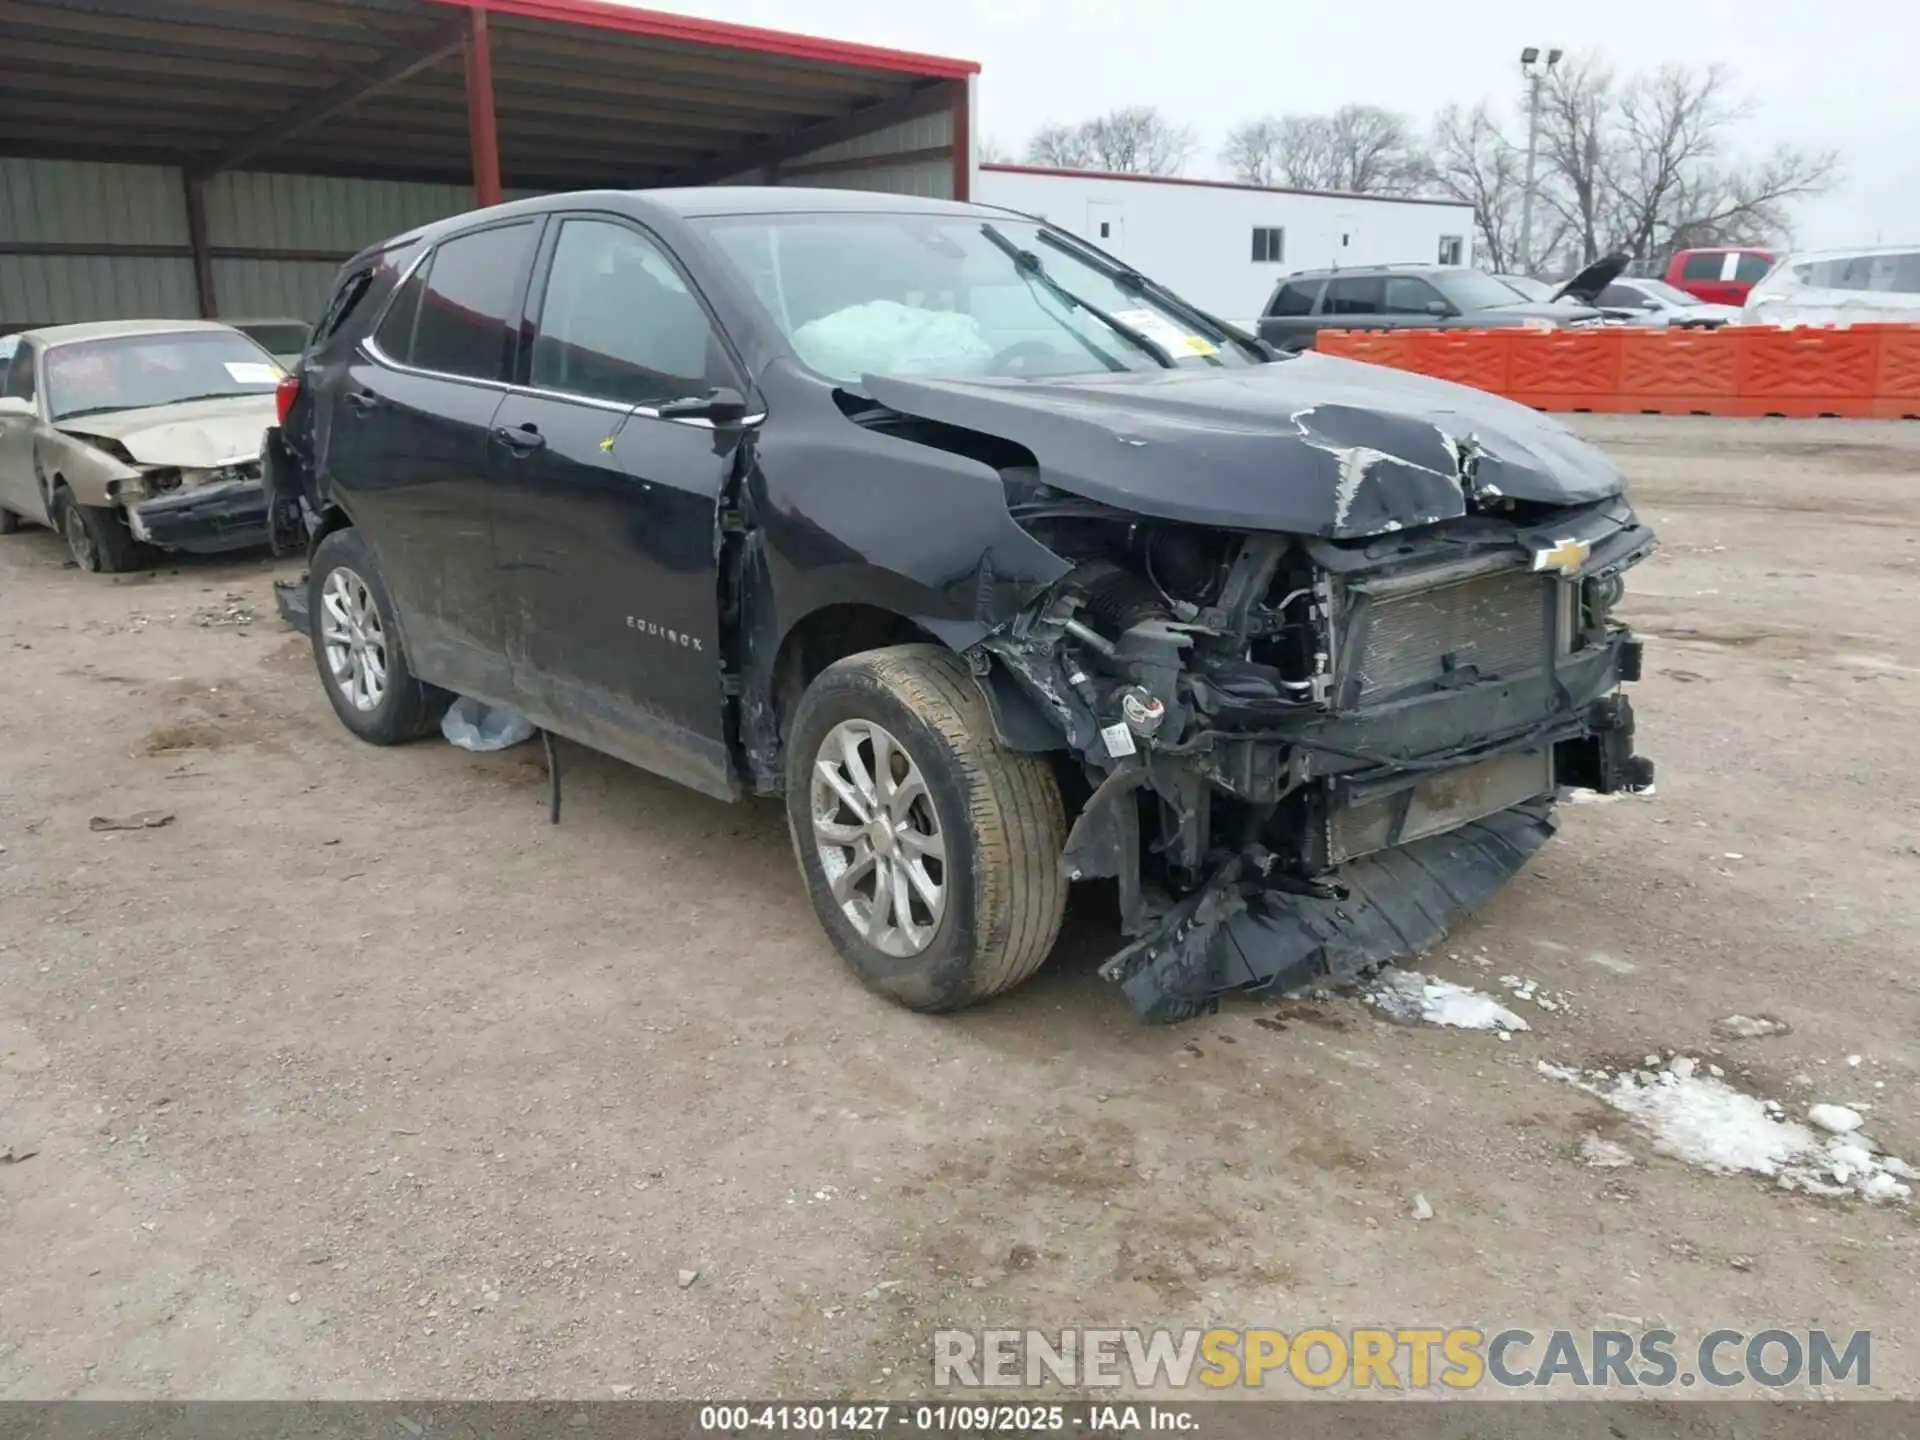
(1223, 245)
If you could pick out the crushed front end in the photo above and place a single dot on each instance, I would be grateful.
(1302, 757)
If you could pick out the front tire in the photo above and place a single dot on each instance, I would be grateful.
(930, 851)
(96, 536)
(357, 647)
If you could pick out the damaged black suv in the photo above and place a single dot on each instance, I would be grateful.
(1004, 566)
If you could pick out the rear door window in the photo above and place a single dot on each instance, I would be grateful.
(395, 334)
(469, 302)
(1702, 266)
(1749, 268)
(1355, 295)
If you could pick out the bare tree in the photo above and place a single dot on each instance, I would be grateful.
(1361, 149)
(1287, 150)
(1060, 147)
(1471, 161)
(993, 151)
(1133, 140)
(1673, 185)
(1640, 165)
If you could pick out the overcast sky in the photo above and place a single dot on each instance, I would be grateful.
(1845, 76)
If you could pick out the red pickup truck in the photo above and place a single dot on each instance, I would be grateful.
(1720, 275)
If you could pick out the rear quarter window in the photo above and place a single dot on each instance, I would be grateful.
(1296, 297)
(1705, 265)
(1750, 268)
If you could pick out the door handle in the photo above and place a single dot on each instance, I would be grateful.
(520, 439)
(362, 401)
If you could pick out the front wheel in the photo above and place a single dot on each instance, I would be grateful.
(97, 538)
(930, 851)
(357, 647)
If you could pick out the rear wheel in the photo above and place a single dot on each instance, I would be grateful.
(97, 538)
(930, 851)
(358, 650)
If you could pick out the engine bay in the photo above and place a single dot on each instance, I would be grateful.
(1255, 720)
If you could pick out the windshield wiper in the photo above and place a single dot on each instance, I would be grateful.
(1028, 264)
(1128, 278)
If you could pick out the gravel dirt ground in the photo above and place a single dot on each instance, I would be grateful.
(358, 1079)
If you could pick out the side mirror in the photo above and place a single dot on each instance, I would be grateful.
(722, 405)
(1438, 307)
(14, 405)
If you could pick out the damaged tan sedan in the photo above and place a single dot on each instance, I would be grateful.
(133, 435)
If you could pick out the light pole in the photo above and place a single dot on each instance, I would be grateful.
(1535, 71)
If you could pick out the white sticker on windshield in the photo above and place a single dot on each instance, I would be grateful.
(1163, 332)
(253, 372)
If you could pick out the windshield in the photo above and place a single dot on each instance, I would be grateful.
(902, 294)
(1470, 290)
(1667, 294)
(133, 372)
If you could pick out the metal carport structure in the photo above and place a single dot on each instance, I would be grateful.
(192, 157)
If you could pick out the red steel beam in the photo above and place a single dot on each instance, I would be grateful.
(963, 139)
(483, 132)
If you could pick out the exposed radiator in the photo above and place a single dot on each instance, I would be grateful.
(1499, 624)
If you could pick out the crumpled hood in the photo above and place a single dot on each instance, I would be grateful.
(193, 435)
(1586, 285)
(1313, 445)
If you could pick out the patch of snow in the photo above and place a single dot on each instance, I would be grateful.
(1601, 1154)
(1704, 1121)
(1749, 1027)
(1854, 1061)
(1409, 996)
(1835, 1119)
(1580, 795)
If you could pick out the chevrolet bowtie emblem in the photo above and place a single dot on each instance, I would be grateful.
(1566, 556)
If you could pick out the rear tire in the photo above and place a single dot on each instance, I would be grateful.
(97, 537)
(957, 813)
(358, 650)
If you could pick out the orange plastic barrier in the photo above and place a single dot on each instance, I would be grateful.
(1565, 369)
(1858, 372)
(1467, 357)
(1679, 372)
(1806, 372)
(1896, 387)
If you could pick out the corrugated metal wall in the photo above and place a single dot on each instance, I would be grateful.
(63, 203)
(130, 216)
(863, 163)
(73, 205)
(866, 162)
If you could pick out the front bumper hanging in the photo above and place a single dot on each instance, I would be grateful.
(209, 520)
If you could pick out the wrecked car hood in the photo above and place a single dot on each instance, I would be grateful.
(193, 435)
(1312, 445)
(1585, 287)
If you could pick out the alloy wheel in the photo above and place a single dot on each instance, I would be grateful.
(879, 838)
(354, 639)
